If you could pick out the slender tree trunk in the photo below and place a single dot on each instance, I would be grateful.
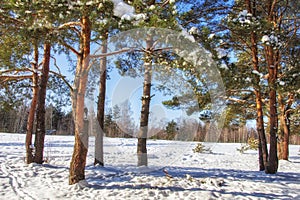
(281, 127)
(78, 162)
(263, 150)
(99, 160)
(31, 115)
(142, 135)
(284, 134)
(262, 146)
(40, 127)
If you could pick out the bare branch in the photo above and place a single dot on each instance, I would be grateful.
(55, 64)
(63, 78)
(69, 24)
(236, 100)
(113, 53)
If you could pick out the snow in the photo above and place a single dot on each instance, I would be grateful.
(257, 73)
(265, 39)
(244, 17)
(152, 7)
(121, 9)
(174, 172)
(271, 40)
(248, 79)
(126, 11)
(126, 17)
(224, 66)
(194, 31)
(211, 36)
(186, 34)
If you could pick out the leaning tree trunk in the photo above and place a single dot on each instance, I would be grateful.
(99, 160)
(31, 115)
(142, 135)
(78, 162)
(40, 127)
(262, 146)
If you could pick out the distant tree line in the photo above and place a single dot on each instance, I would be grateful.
(57, 121)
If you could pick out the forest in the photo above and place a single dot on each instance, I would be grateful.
(225, 62)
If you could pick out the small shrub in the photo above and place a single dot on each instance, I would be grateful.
(252, 144)
(200, 148)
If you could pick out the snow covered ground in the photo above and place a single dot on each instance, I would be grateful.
(174, 172)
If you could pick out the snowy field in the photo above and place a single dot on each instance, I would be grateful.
(174, 172)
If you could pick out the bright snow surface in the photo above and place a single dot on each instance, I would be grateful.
(175, 172)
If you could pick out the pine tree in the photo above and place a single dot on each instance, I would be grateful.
(109, 23)
(26, 21)
(154, 14)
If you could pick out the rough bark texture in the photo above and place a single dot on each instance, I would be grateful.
(272, 58)
(284, 134)
(262, 147)
(101, 106)
(263, 150)
(142, 135)
(40, 127)
(272, 166)
(31, 115)
(78, 162)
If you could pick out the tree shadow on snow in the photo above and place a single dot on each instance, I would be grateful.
(116, 179)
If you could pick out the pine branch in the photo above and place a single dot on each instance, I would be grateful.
(6, 78)
(16, 70)
(68, 25)
(69, 47)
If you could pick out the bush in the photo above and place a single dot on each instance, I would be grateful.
(200, 148)
(252, 144)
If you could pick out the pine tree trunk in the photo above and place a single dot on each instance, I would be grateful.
(142, 135)
(40, 127)
(99, 160)
(262, 146)
(31, 115)
(272, 69)
(78, 162)
(284, 134)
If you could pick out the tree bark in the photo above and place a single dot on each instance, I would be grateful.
(272, 59)
(99, 160)
(272, 166)
(40, 127)
(262, 146)
(142, 135)
(31, 115)
(78, 162)
(284, 134)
